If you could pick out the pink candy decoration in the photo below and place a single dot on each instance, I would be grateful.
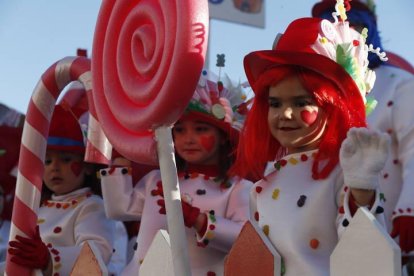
(147, 59)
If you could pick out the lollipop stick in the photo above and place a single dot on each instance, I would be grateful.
(175, 220)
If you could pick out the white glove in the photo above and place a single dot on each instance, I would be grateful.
(362, 156)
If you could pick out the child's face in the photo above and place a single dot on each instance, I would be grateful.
(197, 142)
(294, 118)
(64, 171)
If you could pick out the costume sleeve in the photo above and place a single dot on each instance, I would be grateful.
(222, 231)
(345, 214)
(403, 122)
(122, 200)
(91, 226)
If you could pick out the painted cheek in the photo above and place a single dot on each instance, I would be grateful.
(309, 117)
(76, 168)
(208, 142)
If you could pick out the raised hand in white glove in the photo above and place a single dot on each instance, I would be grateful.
(362, 156)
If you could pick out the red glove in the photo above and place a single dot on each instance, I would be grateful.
(32, 253)
(404, 228)
(190, 213)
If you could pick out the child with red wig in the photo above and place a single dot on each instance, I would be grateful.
(71, 212)
(309, 115)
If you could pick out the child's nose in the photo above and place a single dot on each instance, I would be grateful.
(287, 113)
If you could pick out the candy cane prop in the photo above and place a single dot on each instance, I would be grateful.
(147, 59)
(33, 146)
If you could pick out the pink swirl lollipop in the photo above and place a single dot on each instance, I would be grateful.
(33, 146)
(147, 59)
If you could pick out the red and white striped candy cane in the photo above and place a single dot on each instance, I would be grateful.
(33, 146)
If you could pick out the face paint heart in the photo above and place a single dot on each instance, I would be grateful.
(309, 117)
(208, 142)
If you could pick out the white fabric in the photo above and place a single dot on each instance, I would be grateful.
(80, 217)
(362, 156)
(276, 201)
(394, 91)
(230, 206)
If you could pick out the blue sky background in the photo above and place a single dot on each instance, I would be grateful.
(35, 34)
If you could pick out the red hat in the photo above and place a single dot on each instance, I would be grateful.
(331, 49)
(324, 5)
(65, 133)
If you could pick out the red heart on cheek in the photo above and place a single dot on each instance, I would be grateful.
(208, 142)
(309, 117)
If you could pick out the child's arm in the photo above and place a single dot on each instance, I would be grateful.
(221, 232)
(122, 200)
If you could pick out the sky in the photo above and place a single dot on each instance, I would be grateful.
(35, 34)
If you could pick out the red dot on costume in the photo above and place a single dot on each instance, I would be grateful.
(211, 273)
(256, 216)
(57, 259)
(259, 189)
(355, 42)
(409, 210)
(394, 213)
(341, 210)
(56, 274)
(304, 157)
(389, 131)
(74, 202)
(395, 161)
(390, 103)
(386, 175)
(283, 162)
(206, 177)
(314, 243)
(49, 245)
(54, 251)
(401, 211)
(345, 188)
(57, 230)
(58, 205)
(212, 227)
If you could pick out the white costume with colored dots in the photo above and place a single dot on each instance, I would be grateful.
(394, 91)
(226, 208)
(301, 216)
(67, 221)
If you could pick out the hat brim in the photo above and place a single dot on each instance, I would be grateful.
(258, 62)
(323, 6)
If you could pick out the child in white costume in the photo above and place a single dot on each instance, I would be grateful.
(70, 212)
(215, 207)
(309, 99)
(393, 114)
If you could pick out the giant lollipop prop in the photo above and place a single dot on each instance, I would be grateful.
(147, 59)
(33, 146)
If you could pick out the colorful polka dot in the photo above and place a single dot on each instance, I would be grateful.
(259, 189)
(256, 216)
(266, 229)
(314, 243)
(57, 230)
(275, 194)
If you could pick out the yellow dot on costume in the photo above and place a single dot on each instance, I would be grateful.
(57, 266)
(275, 194)
(141, 261)
(266, 230)
(210, 235)
(323, 40)
(293, 161)
(40, 221)
(243, 97)
(66, 205)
